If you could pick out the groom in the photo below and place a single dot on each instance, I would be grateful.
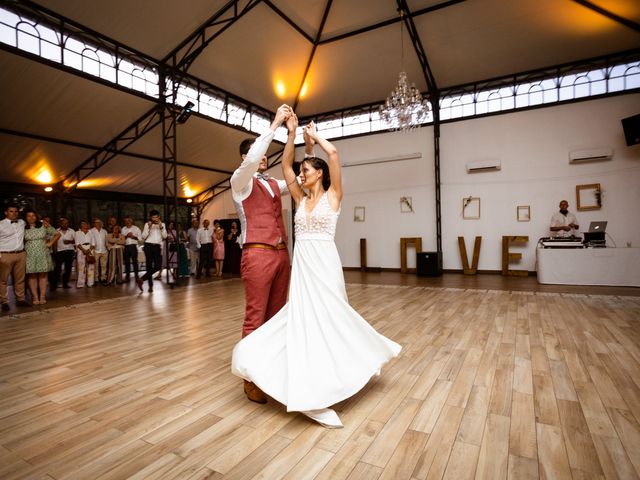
(265, 259)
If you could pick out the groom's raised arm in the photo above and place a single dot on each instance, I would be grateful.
(242, 176)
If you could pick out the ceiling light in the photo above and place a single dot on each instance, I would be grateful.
(405, 108)
(48, 189)
(189, 200)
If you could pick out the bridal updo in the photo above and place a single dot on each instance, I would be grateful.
(319, 164)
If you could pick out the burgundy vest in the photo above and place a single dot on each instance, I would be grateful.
(264, 214)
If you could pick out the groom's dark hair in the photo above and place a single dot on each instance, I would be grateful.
(320, 164)
(246, 145)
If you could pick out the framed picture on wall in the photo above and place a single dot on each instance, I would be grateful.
(471, 208)
(406, 205)
(358, 214)
(588, 197)
(523, 213)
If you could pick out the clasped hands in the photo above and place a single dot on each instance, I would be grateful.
(286, 115)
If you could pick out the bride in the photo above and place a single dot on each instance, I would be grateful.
(317, 350)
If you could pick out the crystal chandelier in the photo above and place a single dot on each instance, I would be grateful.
(405, 108)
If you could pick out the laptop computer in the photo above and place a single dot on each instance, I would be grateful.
(597, 227)
(595, 235)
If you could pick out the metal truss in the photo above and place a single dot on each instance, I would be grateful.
(112, 149)
(187, 51)
(168, 119)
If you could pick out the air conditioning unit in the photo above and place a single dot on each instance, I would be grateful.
(483, 166)
(593, 155)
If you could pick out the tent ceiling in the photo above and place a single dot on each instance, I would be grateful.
(38, 99)
(469, 41)
(24, 160)
(128, 174)
(255, 54)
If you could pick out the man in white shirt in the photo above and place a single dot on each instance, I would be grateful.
(100, 251)
(153, 234)
(65, 252)
(194, 247)
(205, 242)
(13, 259)
(133, 235)
(563, 222)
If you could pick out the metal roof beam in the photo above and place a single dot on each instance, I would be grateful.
(419, 49)
(612, 16)
(325, 14)
(390, 21)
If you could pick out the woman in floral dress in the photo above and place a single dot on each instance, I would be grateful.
(39, 262)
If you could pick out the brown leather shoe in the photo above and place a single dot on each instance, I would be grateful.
(254, 393)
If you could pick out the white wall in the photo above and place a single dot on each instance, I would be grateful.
(533, 148)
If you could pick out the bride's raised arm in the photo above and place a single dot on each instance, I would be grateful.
(287, 160)
(333, 160)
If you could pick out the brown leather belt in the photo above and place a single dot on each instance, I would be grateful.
(265, 246)
(14, 251)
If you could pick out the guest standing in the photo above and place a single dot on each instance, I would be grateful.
(153, 234)
(205, 239)
(170, 250)
(115, 244)
(13, 259)
(100, 251)
(218, 250)
(232, 252)
(132, 235)
(183, 258)
(85, 261)
(112, 221)
(65, 253)
(194, 247)
(39, 262)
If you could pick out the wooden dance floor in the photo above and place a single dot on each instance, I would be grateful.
(490, 384)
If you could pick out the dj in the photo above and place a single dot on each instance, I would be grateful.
(564, 223)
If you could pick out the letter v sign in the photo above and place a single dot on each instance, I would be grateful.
(476, 256)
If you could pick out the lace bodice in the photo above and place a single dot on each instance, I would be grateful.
(320, 224)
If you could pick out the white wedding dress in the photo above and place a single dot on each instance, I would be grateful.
(317, 350)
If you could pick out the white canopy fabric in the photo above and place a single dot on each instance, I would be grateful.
(262, 58)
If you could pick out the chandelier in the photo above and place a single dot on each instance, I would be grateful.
(405, 108)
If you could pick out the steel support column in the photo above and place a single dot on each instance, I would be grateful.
(169, 171)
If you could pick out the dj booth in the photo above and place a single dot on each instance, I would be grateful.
(575, 265)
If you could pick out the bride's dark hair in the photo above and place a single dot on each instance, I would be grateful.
(320, 164)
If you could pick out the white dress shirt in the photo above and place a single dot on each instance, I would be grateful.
(67, 234)
(204, 236)
(560, 220)
(135, 231)
(156, 234)
(11, 235)
(99, 239)
(84, 240)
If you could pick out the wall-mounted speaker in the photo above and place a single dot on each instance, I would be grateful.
(631, 127)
